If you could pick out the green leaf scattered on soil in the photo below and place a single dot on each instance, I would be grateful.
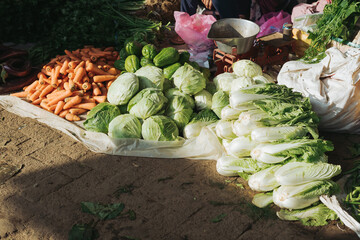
(124, 189)
(83, 232)
(129, 238)
(244, 176)
(240, 185)
(219, 218)
(104, 212)
(165, 179)
(131, 215)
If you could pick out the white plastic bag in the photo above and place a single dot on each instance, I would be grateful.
(333, 88)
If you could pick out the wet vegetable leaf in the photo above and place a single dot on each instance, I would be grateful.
(218, 218)
(83, 232)
(104, 212)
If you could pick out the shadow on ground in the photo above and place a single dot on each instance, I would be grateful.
(172, 198)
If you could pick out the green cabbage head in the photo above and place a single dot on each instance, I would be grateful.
(189, 80)
(123, 89)
(100, 116)
(160, 128)
(125, 126)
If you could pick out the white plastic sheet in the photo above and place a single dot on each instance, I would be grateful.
(206, 146)
(333, 88)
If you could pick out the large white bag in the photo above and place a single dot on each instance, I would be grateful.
(333, 88)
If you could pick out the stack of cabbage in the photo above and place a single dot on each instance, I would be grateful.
(156, 105)
(270, 136)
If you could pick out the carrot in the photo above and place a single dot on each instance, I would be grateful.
(86, 86)
(103, 78)
(71, 75)
(32, 86)
(90, 74)
(96, 89)
(79, 74)
(41, 77)
(60, 97)
(37, 101)
(46, 91)
(48, 68)
(103, 90)
(71, 55)
(57, 71)
(77, 111)
(100, 99)
(81, 64)
(88, 100)
(71, 117)
(93, 58)
(35, 95)
(54, 81)
(109, 49)
(78, 92)
(63, 113)
(72, 85)
(59, 107)
(22, 94)
(75, 100)
(106, 67)
(64, 67)
(91, 67)
(72, 64)
(86, 78)
(87, 106)
(112, 71)
(44, 105)
(66, 86)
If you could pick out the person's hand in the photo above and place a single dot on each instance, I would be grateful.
(207, 3)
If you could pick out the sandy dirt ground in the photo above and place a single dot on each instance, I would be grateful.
(172, 198)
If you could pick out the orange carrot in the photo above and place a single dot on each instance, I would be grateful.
(93, 58)
(72, 85)
(35, 95)
(88, 100)
(106, 67)
(112, 71)
(57, 71)
(66, 86)
(96, 89)
(109, 49)
(77, 111)
(79, 74)
(63, 113)
(71, 55)
(54, 81)
(37, 101)
(86, 86)
(59, 107)
(41, 77)
(78, 92)
(100, 99)
(90, 74)
(86, 79)
(91, 67)
(46, 91)
(103, 78)
(72, 64)
(108, 84)
(32, 86)
(20, 94)
(103, 90)
(71, 117)
(87, 106)
(64, 67)
(60, 97)
(81, 64)
(44, 105)
(75, 100)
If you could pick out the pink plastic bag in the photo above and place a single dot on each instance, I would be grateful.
(272, 22)
(194, 29)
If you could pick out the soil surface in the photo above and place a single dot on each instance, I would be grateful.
(172, 198)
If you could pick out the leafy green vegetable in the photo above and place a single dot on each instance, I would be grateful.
(224, 129)
(232, 166)
(160, 128)
(271, 134)
(200, 120)
(125, 126)
(303, 195)
(123, 89)
(262, 200)
(294, 173)
(189, 80)
(172, 92)
(147, 102)
(219, 100)
(246, 68)
(83, 232)
(100, 116)
(203, 100)
(338, 21)
(150, 77)
(179, 109)
(103, 211)
(223, 81)
(264, 180)
(318, 215)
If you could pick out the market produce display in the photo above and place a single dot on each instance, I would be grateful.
(270, 138)
(74, 83)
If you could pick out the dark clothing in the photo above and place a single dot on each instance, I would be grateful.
(267, 6)
(226, 8)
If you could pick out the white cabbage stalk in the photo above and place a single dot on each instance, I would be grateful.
(229, 113)
(264, 152)
(240, 147)
(248, 68)
(301, 196)
(264, 180)
(269, 78)
(223, 81)
(224, 129)
(269, 134)
(226, 143)
(193, 130)
(248, 121)
(241, 82)
(260, 79)
(232, 166)
(294, 173)
(262, 200)
(238, 98)
(203, 99)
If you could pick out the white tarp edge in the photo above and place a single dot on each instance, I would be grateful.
(206, 146)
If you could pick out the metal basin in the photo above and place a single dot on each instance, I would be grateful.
(234, 32)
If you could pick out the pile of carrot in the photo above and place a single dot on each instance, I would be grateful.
(72, 84)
